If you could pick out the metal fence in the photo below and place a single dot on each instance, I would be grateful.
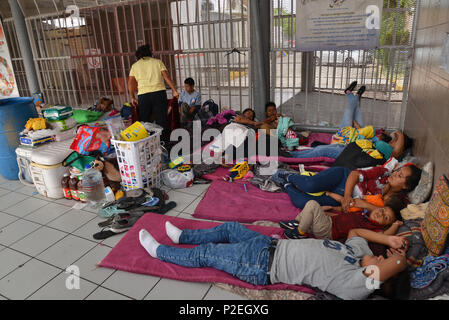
(314, 96)
(88, 54)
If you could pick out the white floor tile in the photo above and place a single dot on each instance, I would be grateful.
(57, 289)
(29, 191)
(132, 285)
(4, 191)
(24, 281)
(25, 207)
(71, 220)
(191, 208)
(88, 265)
(6, 219)
(89, 229)
(105, 294)
(196, 189)
(66, 202)
(112, 241)
(11, 199)
(182, 200)
(38, 241)
(220, 294)
(10, 260)
(47, 213)
(12, 185)
(16, 230)
(65, 252)
(168, 289)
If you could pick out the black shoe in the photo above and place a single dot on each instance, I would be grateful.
(293, 234)
(351, 87)
(361, 91)
(289, 225)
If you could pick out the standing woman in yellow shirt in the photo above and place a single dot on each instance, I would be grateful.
(147, 76)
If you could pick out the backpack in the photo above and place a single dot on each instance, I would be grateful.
(208, 110)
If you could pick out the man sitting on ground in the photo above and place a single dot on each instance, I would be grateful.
(189, 101)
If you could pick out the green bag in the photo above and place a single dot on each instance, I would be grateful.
(77, 161)
(86, 116)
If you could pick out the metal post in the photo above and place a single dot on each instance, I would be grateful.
(260, 54)
(25, 47)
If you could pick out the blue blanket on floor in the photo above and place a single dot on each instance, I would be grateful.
(432, 266)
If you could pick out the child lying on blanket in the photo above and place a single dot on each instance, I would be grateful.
(313, 220)
(369, 202)
(349, 271)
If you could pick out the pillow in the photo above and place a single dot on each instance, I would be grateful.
(435, 226)
(424, 188)
(417, 250)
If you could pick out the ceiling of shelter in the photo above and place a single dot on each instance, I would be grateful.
(39, 7)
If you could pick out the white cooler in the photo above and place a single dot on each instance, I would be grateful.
(23, 161)
(47, 170)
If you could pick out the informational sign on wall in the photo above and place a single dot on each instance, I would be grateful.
(8, 84)
(337, 24)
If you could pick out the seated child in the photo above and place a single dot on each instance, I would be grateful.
(189, 101)
(313, 220)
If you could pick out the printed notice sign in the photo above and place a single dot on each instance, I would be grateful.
(337, 24)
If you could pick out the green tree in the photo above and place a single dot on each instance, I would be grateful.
(287, 22)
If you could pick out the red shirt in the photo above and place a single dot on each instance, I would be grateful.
(345, 222)
(373, 180)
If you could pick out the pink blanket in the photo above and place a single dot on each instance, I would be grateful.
(128, 255)
(228, 201)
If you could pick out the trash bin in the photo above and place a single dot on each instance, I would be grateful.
(14, 113)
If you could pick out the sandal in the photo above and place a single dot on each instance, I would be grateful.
(293, 234)
(290, 225)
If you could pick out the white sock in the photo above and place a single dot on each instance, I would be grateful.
(148, 242)
(173, 232)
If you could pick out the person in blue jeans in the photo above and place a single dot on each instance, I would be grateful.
(340, 269)
(299, 187)
(351, 118)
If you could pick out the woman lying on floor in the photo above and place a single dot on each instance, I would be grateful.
(347, 183)
(351, 129)
(348, 271)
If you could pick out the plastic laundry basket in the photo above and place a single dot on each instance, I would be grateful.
(140, 162)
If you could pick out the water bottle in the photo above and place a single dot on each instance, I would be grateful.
(93, 187)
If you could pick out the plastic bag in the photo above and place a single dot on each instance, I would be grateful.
(90, 139)
(177, 180)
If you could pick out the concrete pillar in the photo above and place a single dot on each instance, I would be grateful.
(25, 46)
(260, 54)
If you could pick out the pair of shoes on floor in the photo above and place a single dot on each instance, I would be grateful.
(352, 86)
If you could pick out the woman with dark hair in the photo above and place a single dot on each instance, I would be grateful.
(147, 77)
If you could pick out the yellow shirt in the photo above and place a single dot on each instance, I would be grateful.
(148, 74)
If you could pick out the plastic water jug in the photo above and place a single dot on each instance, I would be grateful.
(93, 186)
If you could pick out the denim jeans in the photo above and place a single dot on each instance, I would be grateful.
(352, 112)
(332, 179)
(329, 151)
(229, 247)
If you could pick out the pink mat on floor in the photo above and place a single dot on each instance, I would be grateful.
(228, 201)
(128, 255)
(320, 137)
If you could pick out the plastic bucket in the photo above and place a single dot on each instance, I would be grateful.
(14, 113)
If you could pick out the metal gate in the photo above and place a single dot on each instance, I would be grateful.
(314, 96)
(88, 53)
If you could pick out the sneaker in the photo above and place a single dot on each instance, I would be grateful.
(293, 234)
(290, 225)
(351, 87)
(361, 91)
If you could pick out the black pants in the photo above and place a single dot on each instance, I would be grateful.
(155, 104)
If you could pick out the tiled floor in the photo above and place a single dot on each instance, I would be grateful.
(41, 237)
